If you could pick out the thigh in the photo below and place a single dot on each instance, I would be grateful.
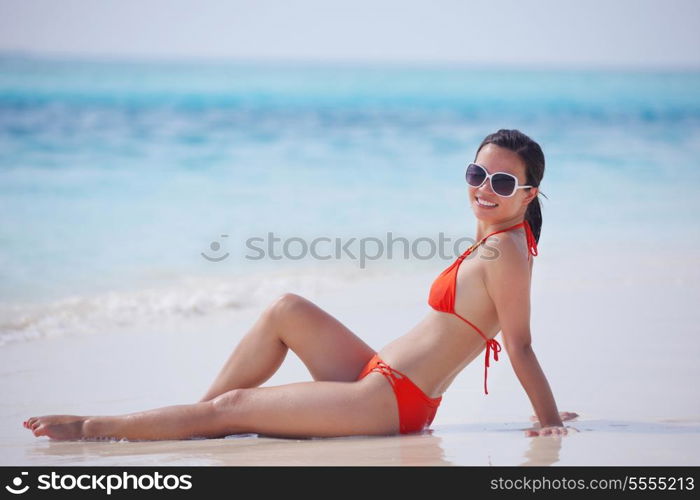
(329, 349)
(311, 409)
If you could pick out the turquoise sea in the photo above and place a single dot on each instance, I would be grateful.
(117, 176)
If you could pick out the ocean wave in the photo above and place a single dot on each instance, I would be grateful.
(190, 297)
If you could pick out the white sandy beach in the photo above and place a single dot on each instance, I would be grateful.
(620, 351)
(158, 190)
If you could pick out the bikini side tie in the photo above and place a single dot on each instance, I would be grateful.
(492, 345)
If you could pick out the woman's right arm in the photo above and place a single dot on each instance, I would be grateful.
(507, 280)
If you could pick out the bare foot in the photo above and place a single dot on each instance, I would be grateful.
(60, 427)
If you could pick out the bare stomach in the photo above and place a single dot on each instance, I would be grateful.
(434, 351)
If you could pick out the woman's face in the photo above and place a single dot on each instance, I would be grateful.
(497, 159)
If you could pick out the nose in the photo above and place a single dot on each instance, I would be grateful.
(486, 187)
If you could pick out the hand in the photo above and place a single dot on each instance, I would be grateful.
(552, 430)
(564, 415)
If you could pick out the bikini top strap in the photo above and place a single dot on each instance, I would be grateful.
(531, 241)
(475, 245)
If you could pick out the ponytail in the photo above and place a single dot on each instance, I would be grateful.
(533, 215)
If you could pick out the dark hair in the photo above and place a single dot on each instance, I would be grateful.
(531, 153)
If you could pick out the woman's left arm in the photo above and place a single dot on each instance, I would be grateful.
(507, 279)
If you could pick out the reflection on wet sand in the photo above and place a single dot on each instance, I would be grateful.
(497, 444)
(543, 450)
(252, 450)
(492, 443)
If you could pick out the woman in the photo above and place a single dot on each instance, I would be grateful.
(397, 390)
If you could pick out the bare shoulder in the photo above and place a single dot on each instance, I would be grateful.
(507, 252)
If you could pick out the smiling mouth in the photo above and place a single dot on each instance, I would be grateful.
(485, 204)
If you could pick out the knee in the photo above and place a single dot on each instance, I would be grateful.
(224, 403)
(228, 412)
(285, 304)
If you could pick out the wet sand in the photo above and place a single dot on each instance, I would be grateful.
(602, 346)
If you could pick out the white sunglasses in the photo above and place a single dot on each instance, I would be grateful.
(502, 183)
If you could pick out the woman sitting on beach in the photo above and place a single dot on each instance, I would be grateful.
(357, 391)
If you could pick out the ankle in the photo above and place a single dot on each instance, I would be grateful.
(95, 428)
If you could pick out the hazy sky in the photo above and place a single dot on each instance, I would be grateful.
(650, 33)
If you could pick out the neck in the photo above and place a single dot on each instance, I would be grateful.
(484, 228)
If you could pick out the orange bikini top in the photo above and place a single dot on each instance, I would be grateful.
(444, 289)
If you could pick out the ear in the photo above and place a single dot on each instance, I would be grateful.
(531, 195)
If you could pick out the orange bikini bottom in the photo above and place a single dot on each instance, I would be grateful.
(416, 409)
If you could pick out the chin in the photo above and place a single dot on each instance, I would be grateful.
(490, 219)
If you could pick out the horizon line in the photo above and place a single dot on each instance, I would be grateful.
(339, 62)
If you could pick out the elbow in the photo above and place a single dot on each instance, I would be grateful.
(519, 349)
